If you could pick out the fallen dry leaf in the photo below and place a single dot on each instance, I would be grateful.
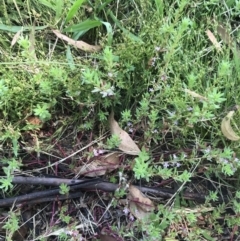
(195, 95)
(34, 120)
(227, 129)
(78, 44)
(100, 166)
(225, 36)
(16, 37)
(127, 144)
(213, 40)
(139, 205)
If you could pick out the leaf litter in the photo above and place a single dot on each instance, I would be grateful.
(127, 144)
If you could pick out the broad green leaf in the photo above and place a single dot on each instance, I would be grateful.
(15, 29)
(84, 26)
(109, 32)
(73, 10)
(125, 31)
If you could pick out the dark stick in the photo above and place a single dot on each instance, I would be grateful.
(88, 185)
(55, 198)
(101, 185)
(46, 181)
(41, 194)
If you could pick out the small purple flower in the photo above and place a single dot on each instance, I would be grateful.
(98, 152)
(130, 130)
(131, 217)
(164, 77)
(166, 164)
(178, 164)
(126, 211)
(223, 160)
(95, 152)
(129, 124)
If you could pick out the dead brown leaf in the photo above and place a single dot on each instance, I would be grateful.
(224, 34)
(16, 37)
(127, 144)
(139, 205)
(100, 166)
(78, 44)
(213, 40)
(34, 120)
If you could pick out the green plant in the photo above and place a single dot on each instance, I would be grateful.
(10, 166)
(12, 225)
(167, 83)
(113, 141)
(142, 167)
(42, 111)
(64, 189)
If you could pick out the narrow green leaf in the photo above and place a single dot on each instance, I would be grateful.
(84, 26)
(48, 4)
(125, 31)
(160, 7)
(15, 146)
(59, 9)
(104, 5)
(109, 32)
(70, 58)
(74, 9)
(77, 35)
(15, 29)
(207, 236)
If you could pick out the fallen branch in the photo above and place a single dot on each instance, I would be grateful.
(78, 44)
(48, 193)
(79, 185)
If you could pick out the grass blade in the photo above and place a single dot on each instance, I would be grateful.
(59, 9)
(70, 58)
(160, 6)
(15, 29)
(125, 31)
(109, 32)
(73, 10)
(84, 26)
(47, 4)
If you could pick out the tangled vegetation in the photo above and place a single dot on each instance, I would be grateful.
(131, 109)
